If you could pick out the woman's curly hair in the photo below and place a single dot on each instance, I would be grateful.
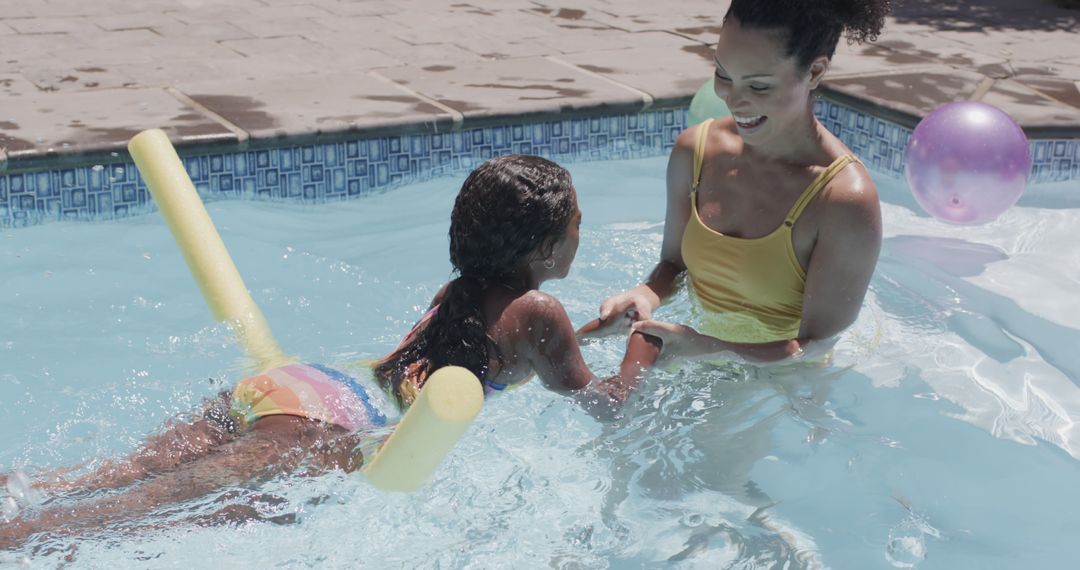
(813, 27)
(508, 208)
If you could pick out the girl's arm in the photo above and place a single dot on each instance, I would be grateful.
(556, 357)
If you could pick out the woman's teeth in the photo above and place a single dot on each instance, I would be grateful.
(749, 121)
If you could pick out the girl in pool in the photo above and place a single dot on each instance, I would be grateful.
(774, 220)
(514, 226)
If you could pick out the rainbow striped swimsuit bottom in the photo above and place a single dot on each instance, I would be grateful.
(308, 391)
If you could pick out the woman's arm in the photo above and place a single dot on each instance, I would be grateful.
(844, 257)
(638, 303)
(681, 341)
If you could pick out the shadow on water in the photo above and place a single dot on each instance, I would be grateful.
(1054, 196)
(1051, 196)
(688, 448)
(684, 456)
(982, 15)
(934, 270)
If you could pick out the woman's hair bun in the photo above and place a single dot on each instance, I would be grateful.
(863, 20)
(813, 27)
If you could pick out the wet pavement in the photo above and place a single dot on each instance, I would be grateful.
(79, 78)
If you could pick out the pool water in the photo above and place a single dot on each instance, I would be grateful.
(944, 435)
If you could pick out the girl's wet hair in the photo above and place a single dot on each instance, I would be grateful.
(508, 208)
(813, 27)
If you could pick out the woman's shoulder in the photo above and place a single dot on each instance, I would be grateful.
(852, 185)
(851, 198)
(722, 139)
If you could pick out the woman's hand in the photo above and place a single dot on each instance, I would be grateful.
(679, 341)
(637, 304)
(683, 342)
(597, 328)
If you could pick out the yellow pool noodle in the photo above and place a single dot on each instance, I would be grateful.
(205, 253)
(445, 408)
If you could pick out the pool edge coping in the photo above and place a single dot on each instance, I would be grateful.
(58, 187)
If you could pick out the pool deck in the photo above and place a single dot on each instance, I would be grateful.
(79, 78)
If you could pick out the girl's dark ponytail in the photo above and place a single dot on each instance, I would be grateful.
(455, 335)
(507, 209)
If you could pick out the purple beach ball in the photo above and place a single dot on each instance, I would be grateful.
(967, 162)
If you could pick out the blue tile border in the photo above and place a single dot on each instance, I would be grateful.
(882, 144)
(333, 171)
(353, 168)
(879, 143)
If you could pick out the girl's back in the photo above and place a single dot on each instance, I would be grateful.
(514, 225)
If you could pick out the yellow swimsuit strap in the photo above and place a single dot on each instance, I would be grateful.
(820, 182)
(699, 152)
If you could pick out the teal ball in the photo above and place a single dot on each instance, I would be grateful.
(706, 105)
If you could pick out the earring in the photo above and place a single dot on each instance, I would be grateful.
(549, 263)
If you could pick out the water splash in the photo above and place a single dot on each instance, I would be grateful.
(18, 487)
(907, 544)
(9, 509)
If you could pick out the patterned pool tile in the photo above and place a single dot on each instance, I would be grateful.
(882, 145)
(353, 168)
(332, 171)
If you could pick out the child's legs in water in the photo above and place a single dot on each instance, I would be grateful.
(177, 443)
(274, 445)
(183, 442)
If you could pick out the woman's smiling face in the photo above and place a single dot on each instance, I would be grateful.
(765, 89)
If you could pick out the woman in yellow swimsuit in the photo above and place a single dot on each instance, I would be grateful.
(776, 223)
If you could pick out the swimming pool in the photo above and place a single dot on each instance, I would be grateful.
(944, 436)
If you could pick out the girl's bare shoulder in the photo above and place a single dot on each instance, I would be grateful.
(535, 306)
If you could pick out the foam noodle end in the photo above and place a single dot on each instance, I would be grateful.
(449, 401)
(202, 248)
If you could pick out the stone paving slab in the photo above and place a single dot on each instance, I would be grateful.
(106, 62)
(649, 15)
(348, 8)
(854, 60)
(991, 62)
(78, 77)
(1015, 53)
(523, 86)
(452, 25)
(26, 47)
(100, 121)
(915, 91)
(667, 76)
(14, 86)
(1031, 107)
(1063, 90)
(660, 43)
(275, 108)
